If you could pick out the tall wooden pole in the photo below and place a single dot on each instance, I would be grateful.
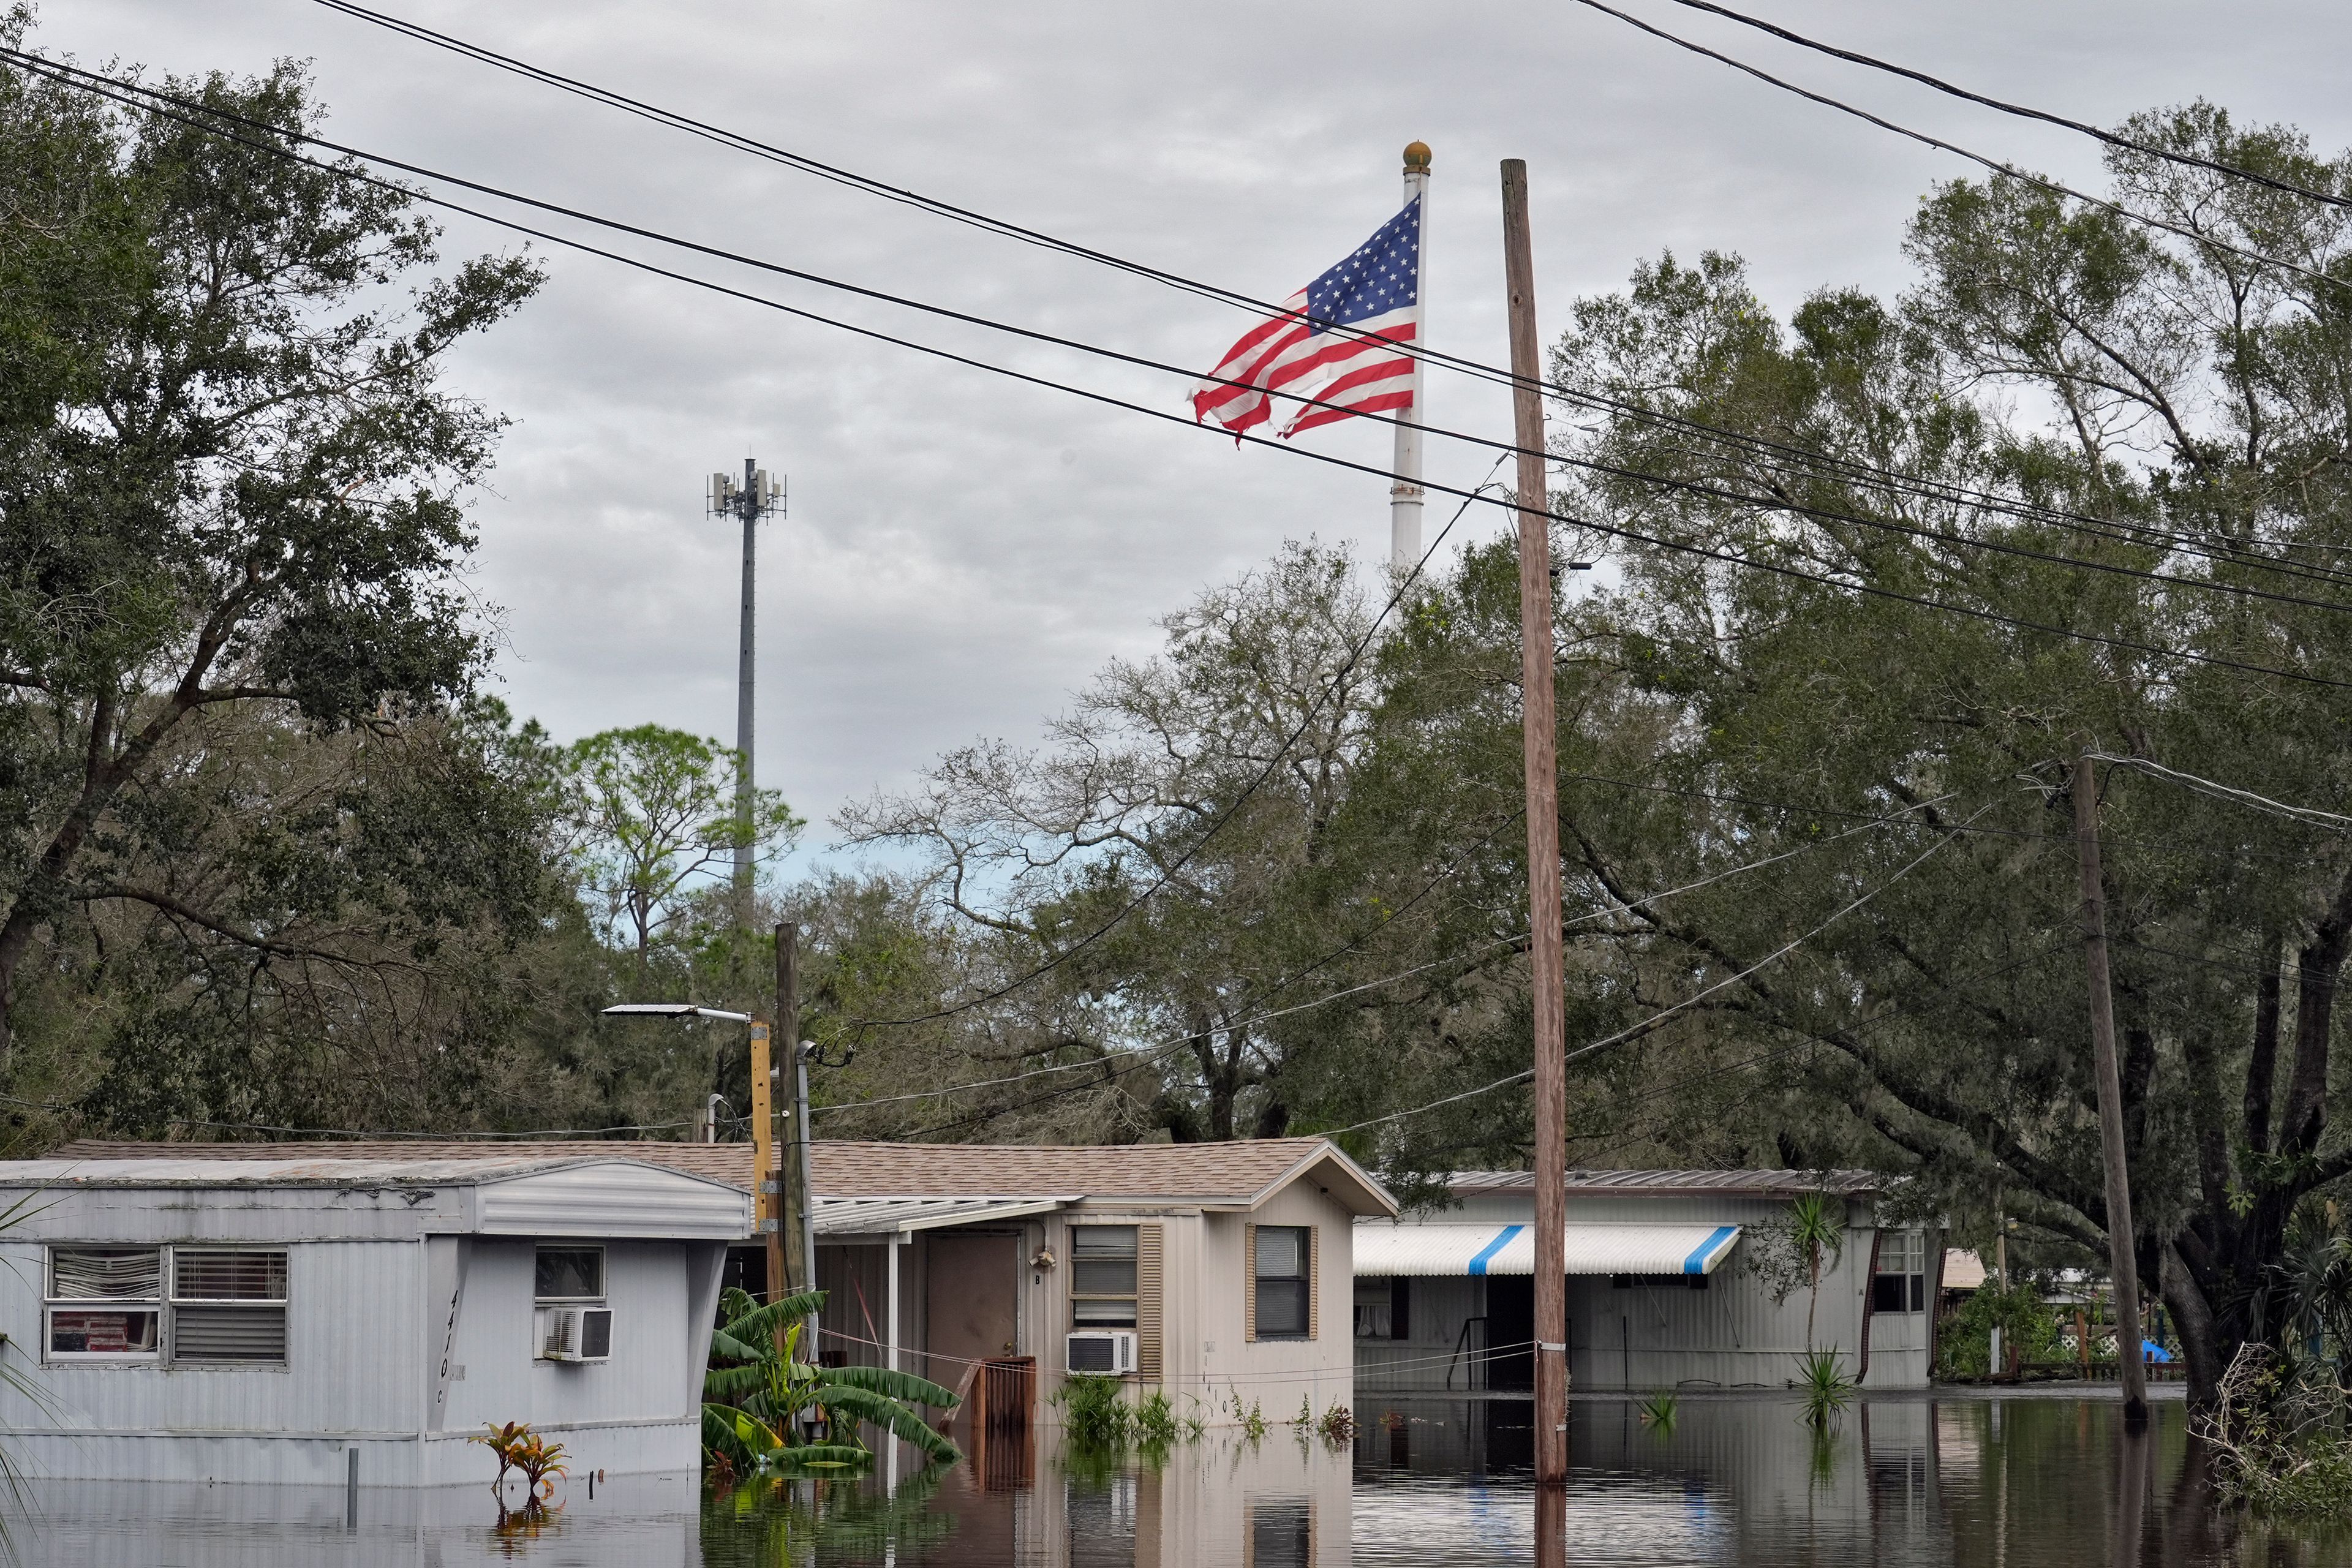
(788, 1269)
(2131, 1367)
(1536, 721)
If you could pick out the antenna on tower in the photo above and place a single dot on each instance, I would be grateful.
(758, 494)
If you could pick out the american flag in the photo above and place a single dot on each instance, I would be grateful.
(1374, 295)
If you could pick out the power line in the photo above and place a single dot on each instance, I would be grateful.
(2112, 139)
(1456, 958)
(1630, 535)
(2309, 816)
(1636, 1030)
(739, 142)
(2009, 169)
(1504, 447)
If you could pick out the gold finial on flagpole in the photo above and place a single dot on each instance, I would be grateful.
(1416, 157)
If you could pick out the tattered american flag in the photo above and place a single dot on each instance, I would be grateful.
(1374, 296)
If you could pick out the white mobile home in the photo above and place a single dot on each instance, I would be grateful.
(304, 1319)
(1659, 1292)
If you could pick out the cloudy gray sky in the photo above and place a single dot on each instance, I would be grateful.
(963, 550)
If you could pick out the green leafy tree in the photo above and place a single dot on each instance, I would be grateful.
(654, 815)
(757, 1398)
(231, 520)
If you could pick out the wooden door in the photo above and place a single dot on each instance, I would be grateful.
(971, 1302)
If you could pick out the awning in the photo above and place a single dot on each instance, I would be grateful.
(1453, 1250)
(841, 1219)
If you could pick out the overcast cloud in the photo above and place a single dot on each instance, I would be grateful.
(962, 551)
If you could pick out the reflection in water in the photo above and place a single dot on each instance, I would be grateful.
(2017, 1482)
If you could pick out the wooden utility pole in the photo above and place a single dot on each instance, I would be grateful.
(763, 1153)
(785, 1253)
(2131, 1367)
(1536, 721)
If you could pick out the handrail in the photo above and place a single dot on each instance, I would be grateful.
(1477, 1357)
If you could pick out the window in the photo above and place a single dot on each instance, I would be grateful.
(1384, 1308)
(1901, 1283)
(106, 1303)
(568, 1274)
(226, 1306)
(1102, 1276)
(1280, 1273)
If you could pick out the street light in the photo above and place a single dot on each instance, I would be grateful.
(767, 1202)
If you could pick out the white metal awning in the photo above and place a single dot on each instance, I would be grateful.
(840, 1219)
(1453, 1250)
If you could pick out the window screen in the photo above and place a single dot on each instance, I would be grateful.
(569, 1274)
(1281, 1276)
(1102, 1276)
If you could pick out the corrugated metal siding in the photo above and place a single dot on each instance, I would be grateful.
(614, 1199)
(645, 1285)
(352, 1357)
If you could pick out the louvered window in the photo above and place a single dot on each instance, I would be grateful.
(225, 1306)
(228, 1306)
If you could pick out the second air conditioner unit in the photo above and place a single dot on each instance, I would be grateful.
(575, 1333)
(1103, 1352)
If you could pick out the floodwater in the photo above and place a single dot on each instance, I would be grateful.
(2019, 1481)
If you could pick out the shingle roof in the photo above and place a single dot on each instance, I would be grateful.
(1669, 1184)
(1238, 1173)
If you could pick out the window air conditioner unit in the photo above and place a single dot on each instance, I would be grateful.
(575, 1333)
(1102, 1351)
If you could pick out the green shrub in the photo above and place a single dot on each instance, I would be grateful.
(1964, 1341)
(1099, 1415)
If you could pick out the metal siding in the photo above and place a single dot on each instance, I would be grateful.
(351, 1361)
(613, 1199)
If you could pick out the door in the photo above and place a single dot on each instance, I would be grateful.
(1511, 1322)
(972, 1293)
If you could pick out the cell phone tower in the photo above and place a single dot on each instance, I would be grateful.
(758, 494)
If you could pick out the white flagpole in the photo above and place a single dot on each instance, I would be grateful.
(1404, 495)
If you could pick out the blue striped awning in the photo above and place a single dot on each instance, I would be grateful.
(1449, 1248)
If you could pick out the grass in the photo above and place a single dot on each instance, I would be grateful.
(1657, 1411)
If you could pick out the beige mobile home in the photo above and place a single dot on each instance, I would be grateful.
(1215, 1272)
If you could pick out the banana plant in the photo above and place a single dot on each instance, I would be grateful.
(756, 1397)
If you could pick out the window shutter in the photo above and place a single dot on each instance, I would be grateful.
(1147, 1275)
(1249, 1283)
(1313, 1279)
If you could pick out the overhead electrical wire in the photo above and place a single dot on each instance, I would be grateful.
(2112, 138)
(113, 90)
(741, 143)
(1647, 1026)
(2010, 171)
(1699, 488)
(1611, 908)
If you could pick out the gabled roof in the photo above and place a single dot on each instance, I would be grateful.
(1674, 1183)
(1242, 1175)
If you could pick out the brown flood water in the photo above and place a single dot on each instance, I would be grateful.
(2028, 1480)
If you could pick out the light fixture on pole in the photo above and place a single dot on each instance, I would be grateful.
(767, 1202)
(757, 494)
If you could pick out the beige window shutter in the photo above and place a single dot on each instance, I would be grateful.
(1249, 1283)
(1314, 1280)
(1148, 1274)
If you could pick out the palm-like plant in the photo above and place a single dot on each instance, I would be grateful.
(756, 1399)
(1813, 1229)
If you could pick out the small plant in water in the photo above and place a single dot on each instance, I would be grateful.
(1156, 1425)
(517, 1448)
(1821, 1375)
(1657, 1411)
(1339, 1424)
(1099, 1415)
(1306, 1412)
(1254, 1424)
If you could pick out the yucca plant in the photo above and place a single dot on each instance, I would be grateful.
(1657, 1411)
(1827, 1389)
(756, 1400)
